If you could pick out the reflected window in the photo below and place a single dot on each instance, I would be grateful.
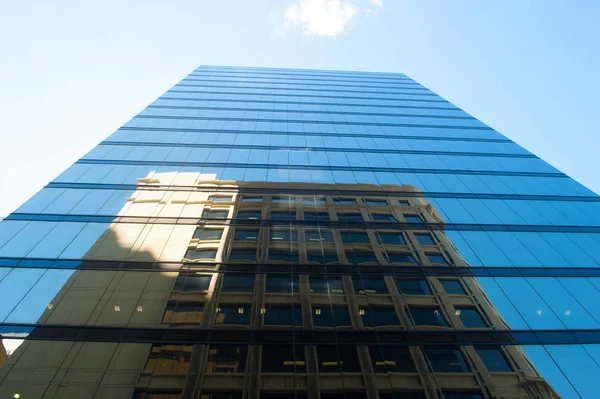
(413, 286)
(446, 359)
(331, 316)
(192, 282)
(284, 255)
(215, 198)
(369, 285)
(376, 202)
(355, 237)
(220, 395)
(318, 236)
(208, 234)
(374, 316)
(344, 201)
(427, 316)
(280, 395)
(470, 317)
(249, 215)
(347, 395)
(400, 257)
(283, 216)
(403, 203)
(391, 359)
(183, 313)
(322, 256)
(316, 216)
(283, 284)
(453, 287)
(424, 239)
(349, 217)
(437, 259)
(356, 257)
(214, 214)
(333, 359)
(314, 201)
(392, 238)
(238, 283)
(284, 199)
(169, 359)
(233, 314)
(246, 199)
(243, 254)
(461, 395)
(383, 217)
(246, 235)
(162, 394)
(283, 359)
(324, 285)
(201, 254)
(413, 219)
(493, 358)
(226, 359)
(284, 315)
(283, 235)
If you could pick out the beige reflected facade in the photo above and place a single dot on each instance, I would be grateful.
(190, 225)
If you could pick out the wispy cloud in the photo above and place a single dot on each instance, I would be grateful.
(374, 9)
(319, 17)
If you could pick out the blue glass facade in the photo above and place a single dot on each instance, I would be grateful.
(282, 233)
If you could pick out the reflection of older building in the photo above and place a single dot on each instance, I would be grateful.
(297, 234)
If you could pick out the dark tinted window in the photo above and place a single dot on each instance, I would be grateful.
(246, 235)
(375, 202)
(424, 239)
(493, 358)
(219, 395)
(350, 237)
(336, 359)
(248, 215)
(314, 201)
(251, 199)
(402, 395)
(183, 313)
(226, 359)
(437, 259)
(283, 315)
(392, 238)
(355, 257)
(283, 359)
(324, 285)
(283, 235)
(344, 201)
(427, 316)
(386, 217)
(461, 395)
(369, 285)
(208, 214)
(471, 317)
(349, 217)
(195, 282)
(322, 256)
(331, 316)
(284, 216)
(238, 283)
(280, 395)
(318, 236)
(284, 255)
(391, 358)
(194, 254)
(448, 360)
(233, 314)
(282, 284)
(413, 286)
(413, 219)
(453, 287)
(316, 216)
(208, 234)
(284, 199)
(399, 257)
(373, 316)
(243, 254)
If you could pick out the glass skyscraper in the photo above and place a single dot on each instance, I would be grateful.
(283, 233)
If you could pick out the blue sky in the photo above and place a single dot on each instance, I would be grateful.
(74, 71)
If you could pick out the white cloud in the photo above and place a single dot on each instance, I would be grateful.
(320, 17)
(377, 3)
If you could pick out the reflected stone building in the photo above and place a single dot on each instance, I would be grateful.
(226, 255)
(270, 233)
